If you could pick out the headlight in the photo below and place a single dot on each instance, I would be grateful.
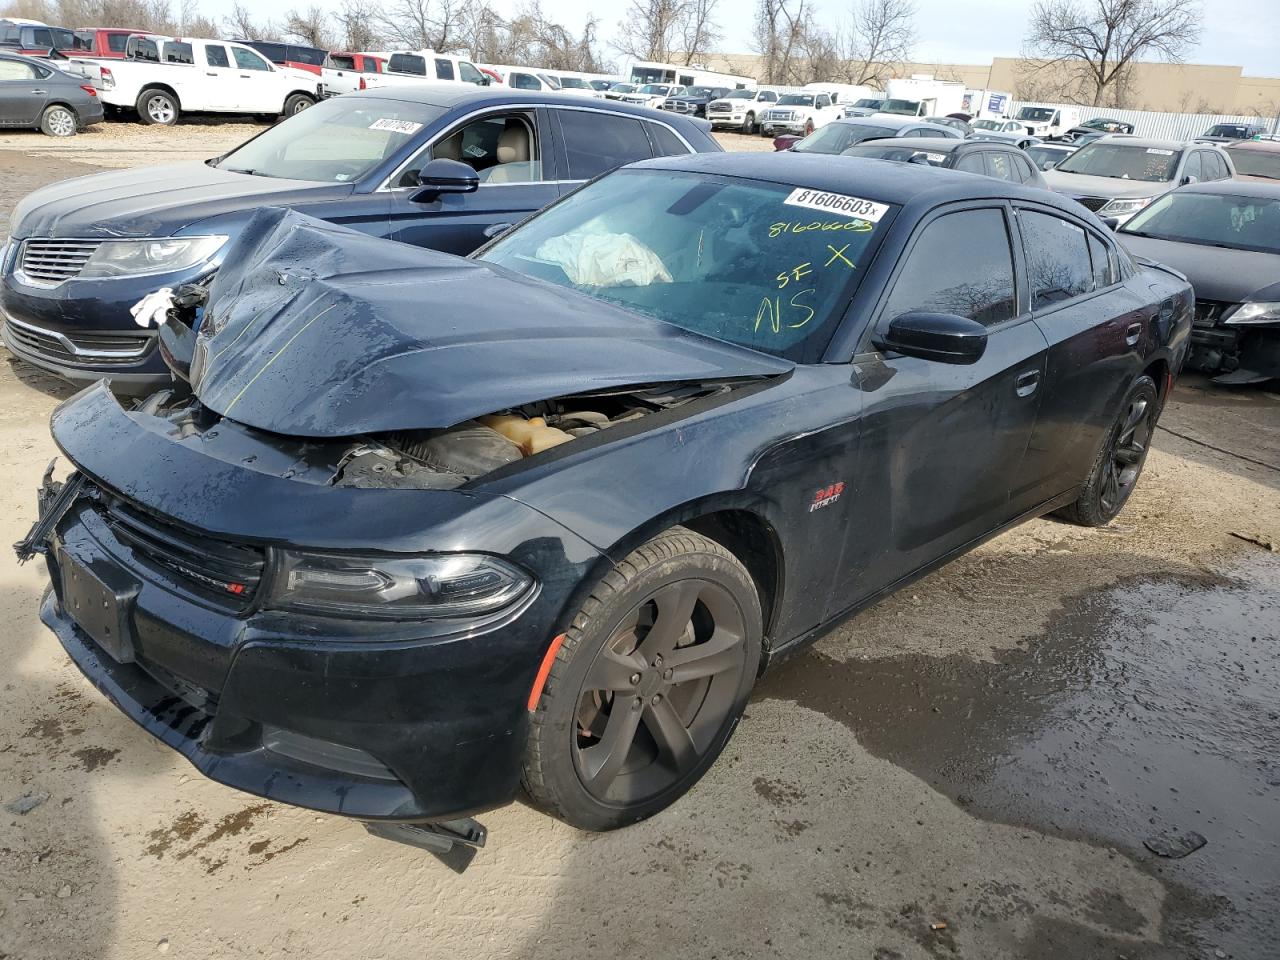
(1254, 313)
(397, 588)
(134, 258)
(1122, 207)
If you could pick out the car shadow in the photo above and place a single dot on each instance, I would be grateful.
(40, 380)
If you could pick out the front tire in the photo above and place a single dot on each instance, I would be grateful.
(648, 685)
(1119, 464)
(158, 108)
(297, 103)
(808, 127)
(749, 124)
(59, 121)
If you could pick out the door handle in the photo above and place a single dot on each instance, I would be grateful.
(1133, 333)
(39, 93)
(245, 76)
(210, 73)
(1026, 383)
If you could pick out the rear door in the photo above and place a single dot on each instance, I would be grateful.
(258, 84)
(510, 188)
(943, 443)
(1096, 325)
(23, 93)
(221, 79)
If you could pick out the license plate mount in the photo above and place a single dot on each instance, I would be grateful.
(99, 597)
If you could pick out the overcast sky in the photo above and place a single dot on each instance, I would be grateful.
(1244, 32)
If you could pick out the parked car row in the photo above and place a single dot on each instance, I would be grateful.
(406, 533)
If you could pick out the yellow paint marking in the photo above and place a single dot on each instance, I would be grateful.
(287, 344)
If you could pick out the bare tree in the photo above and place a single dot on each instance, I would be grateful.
(699, 30)
(310, 27)
(668, 31)
(782, 28)
(242, 26)
(880, 40)
(424, 24)
(355, 19)
(1097, 42)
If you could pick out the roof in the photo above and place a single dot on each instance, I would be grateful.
(892, 120)
(1129, 140)
(450, 95)
(1262, 146)
(1254, 189)
(896, 183)
(936, 144)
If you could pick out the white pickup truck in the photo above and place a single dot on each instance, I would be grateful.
(800, 113)
(164, 78)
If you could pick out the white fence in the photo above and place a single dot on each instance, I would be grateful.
(1162, 126)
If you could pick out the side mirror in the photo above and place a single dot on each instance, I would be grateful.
(1189, 179)
(1113, 223)
(441, 176)
(944, 337)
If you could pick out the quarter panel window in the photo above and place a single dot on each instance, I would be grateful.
(1058, 264)
(597, 142)
(961, 264)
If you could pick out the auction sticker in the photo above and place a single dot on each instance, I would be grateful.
(1161, 153)
(867, 210)
(407, 127)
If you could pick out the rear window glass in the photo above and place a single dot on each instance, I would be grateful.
(116, 42)
(307, 55)
(216, 56)
(178, 53)
(337, 62)
(407, 63)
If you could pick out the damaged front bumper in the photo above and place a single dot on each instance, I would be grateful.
(376, 720)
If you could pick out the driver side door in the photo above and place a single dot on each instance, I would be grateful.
(943, 443)
(460, 222)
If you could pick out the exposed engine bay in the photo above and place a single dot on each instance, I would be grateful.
(424, 459)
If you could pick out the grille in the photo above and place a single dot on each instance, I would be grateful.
(720, 106)
(212, 567)
(97, 350)
(52, 261)
(1093, 203)
(1209, 312)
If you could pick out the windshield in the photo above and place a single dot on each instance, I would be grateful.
(1234, 130)
(623, 88)
(868, 102)
(758, 264)
(701, 91)
(1123, 162)
(574, 83)
(907, 108)
(1036, 114)
(1256, 163)
(1046, 158)
(740, 95)
(838, 137)
(337, 141)
(988, 124)
(549, 80)
(1213, 219)
(656, 88)
(795, 100)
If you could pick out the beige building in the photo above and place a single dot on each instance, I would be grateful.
(1178, 88)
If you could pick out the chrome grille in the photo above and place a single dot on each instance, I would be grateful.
(52, 261)
(93, 349)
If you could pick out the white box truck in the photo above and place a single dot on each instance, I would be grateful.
(1046, 121)
(923, 96)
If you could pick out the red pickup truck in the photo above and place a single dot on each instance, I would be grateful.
(105, 42)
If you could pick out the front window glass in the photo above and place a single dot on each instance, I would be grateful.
(248, 60)
(337, 141)
(906, 108)
(1257, 163)
(759, 264)
(1036, 114)
(1123, 162)
(1212, 219)
(838, 137)
(795, 100)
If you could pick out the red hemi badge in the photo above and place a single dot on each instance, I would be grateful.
(826, 496)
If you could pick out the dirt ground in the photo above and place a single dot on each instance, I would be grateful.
(968, 770)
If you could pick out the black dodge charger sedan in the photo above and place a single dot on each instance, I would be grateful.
(426, 530)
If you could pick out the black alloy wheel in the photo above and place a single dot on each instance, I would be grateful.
(1119, 464)
(648, 686)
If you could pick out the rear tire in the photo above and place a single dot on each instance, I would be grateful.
(808, 127)
(59, 121)
(158, 108)
(1119, 464)
(297, 103)
(648, 685)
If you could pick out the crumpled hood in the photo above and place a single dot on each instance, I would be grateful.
(153, 201)
(1080, 185)
(315, 330)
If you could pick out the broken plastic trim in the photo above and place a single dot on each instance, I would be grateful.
(453, 842)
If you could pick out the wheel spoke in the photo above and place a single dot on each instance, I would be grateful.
(602, 762)
(675, 605)
(720, 653)
(1136, 413)
(1130, 453)
(675, 743)
(1111, 486)
(612, 671)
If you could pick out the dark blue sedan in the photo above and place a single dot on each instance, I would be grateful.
(84, 251)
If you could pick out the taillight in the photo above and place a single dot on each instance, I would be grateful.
(363, 85)
(88, 88)
(108, 79)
